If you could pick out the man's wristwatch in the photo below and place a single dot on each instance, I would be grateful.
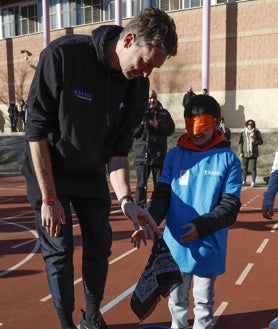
(125, 197)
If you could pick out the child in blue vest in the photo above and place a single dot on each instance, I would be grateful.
(199, 196)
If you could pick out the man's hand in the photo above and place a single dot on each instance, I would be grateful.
(153, 123)
(141, 218)
(52, 218)
(267, 212)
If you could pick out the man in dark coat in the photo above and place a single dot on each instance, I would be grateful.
(186, 98)
(13, 115)
(150, 145)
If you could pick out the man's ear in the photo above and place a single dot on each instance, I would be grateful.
(129, 39)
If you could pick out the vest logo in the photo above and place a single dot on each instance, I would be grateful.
(184, 177)
(122, 105)
(213, 173)
(83, 94)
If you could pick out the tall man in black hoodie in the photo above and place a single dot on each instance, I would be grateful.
(87, 95)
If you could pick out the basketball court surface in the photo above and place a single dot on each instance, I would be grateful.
(246, 295)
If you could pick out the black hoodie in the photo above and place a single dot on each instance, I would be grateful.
(86, 111)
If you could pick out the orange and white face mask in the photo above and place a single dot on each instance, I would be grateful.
(199, 124)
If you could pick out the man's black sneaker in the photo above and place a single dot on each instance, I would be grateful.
(96, 322)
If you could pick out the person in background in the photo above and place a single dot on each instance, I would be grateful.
(13, 115)
(186, 98)
(249, 140)
(268, 204)
(225, 130)
(150, 145)
(87, 96)
(199, 195)
(23, 112)
(270, 193)
(205, 91)
(2, 121)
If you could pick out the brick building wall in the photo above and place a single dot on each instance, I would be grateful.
(243, 62)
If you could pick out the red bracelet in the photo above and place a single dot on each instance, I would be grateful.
(50, 202)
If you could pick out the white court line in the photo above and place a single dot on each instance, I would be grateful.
(3, 220)
(16, 216)
(122, 256)
(251, 200)
(274, 228)
(5, 200)
(46, 298)
(262, 246)
(244, 274)
(251, 208)
(29, 256)
(116, 300)
(127, 292)
(13, 188)
(116, 211)
(220, 310)
(22, 244)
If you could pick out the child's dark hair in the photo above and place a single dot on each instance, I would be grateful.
(202, 104)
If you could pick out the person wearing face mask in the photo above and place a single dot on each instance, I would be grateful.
(248, 149)
(87, 96)
(198, 195)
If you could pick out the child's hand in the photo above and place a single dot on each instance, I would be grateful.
(138, 236)
(192, 233)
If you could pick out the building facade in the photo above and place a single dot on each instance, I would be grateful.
(243, 51)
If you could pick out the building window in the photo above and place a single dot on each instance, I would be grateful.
(228, 1)
(53, 14)
(28, 20)
(92, 11)
(109, 10)
(9, 26)
(20, 20)
(26, 17)
(192, 3)
(138, 5)
(97, 9)
(68, 13)
(87, 12)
